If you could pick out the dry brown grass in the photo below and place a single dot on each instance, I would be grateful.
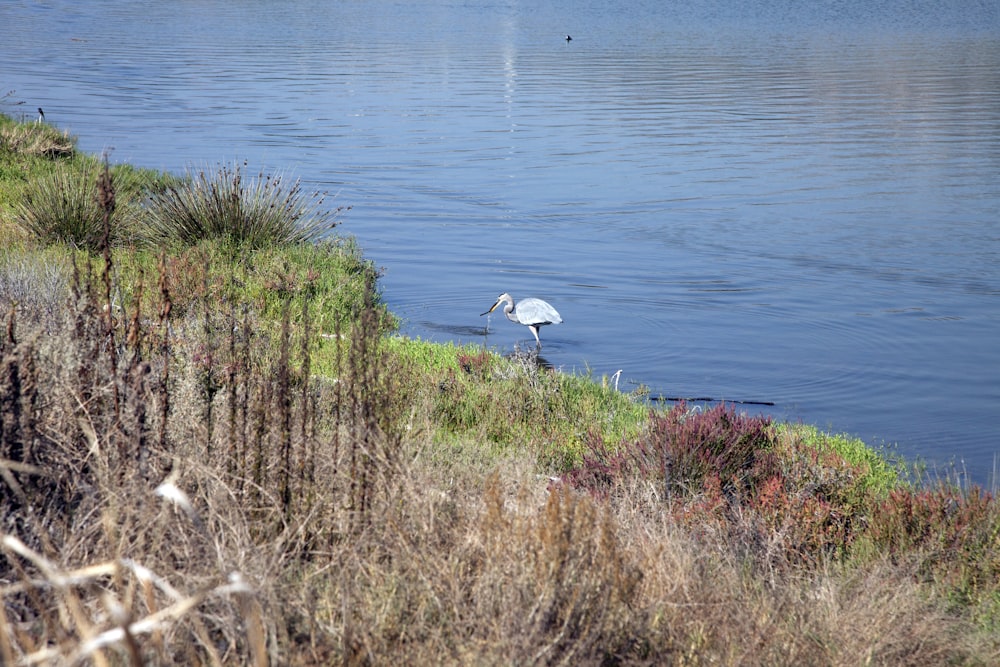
(36, 140)
(714, 600)
(183, 490)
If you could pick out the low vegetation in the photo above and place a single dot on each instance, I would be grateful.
(260, 212)
(218, 451)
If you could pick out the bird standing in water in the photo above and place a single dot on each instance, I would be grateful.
(532, 313)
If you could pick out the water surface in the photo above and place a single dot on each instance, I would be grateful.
(776, 201)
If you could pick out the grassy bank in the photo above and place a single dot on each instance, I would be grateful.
(215, 449)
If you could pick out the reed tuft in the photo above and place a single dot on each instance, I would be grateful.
(255, 212)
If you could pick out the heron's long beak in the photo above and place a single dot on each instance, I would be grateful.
(491, 309)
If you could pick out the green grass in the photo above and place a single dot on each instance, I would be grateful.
(329, 279)
(477, 396)
(883, 471)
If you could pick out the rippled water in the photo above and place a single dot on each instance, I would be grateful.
(785, 202)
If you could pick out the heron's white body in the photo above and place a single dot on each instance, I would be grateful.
(532, 313)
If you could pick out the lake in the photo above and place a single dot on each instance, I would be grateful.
(769, 201)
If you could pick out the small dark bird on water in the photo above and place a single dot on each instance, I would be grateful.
(41, 115)
(568, 38)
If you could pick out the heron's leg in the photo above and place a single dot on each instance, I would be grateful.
(534, 330)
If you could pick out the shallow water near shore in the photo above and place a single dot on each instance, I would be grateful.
(767, 202)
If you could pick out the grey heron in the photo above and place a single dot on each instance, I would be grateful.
(532, 313)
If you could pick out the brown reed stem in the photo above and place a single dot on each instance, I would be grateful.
(106, 200)
(306, 463)
(163, 390)
(284, 400)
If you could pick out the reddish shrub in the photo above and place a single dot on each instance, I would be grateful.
(942, 519)
(719, 470)
(475, 364)
(953, 536)
(681, 449)
(807, 524)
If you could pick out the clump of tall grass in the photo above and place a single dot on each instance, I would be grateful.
(255, 212)
(35, 139)
(63, 207)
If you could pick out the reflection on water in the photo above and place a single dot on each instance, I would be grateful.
(454, 331)
(768, 201)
